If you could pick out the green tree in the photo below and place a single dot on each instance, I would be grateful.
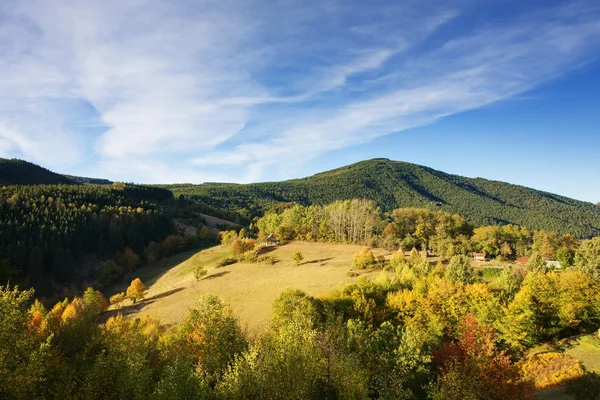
(460, 270)
(24, 356)
(536, 263)
(587, 257)
(213, 336)
(297, 257)
(566, 257)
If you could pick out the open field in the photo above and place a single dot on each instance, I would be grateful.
(249, 288)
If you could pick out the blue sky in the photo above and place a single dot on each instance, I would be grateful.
(244, 91)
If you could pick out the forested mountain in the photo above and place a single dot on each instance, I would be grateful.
(19, 172)
(394, 184)
(47, 230)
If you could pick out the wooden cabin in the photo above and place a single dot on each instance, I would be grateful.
(271, 240)
(480, 256)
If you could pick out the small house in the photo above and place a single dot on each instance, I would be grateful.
(480, 256)
(552, 264)
(271, 240)
(523, 260)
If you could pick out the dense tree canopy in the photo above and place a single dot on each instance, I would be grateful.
(46, 230)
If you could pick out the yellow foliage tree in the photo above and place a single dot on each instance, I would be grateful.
(136, 290)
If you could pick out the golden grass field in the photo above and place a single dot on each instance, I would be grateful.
(249, 288)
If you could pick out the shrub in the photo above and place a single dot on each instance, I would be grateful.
(551, 369)
(364, 259)
(268, 259)
(117, 298)
(227, 261)
(199, 272)
(397, 260)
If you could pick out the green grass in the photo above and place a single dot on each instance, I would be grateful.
(585, 348)
(249, 288)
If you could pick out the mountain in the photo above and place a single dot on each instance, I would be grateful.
(19, 172)
(394, 184)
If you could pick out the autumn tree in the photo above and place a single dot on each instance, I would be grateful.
(473, 368)
(136, 290)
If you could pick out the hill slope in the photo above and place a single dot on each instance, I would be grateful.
(19, 172)
(394, 184)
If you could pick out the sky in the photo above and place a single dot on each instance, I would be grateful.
(154, 91)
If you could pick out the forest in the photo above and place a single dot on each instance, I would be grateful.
(48, 231)
(394, 184)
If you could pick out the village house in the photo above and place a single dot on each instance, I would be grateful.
(480, 256)
(271, 240)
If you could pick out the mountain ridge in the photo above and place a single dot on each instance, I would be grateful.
(395, 184)
(392, 184)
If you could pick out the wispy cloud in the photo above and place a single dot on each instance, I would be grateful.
(159, 91)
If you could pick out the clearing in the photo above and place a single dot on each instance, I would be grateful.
(249, 288)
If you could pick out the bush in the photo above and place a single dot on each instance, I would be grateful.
(117, 298)
(271, 260)
(551, 369)
(364, 259)
(227, 261)
(199, 272)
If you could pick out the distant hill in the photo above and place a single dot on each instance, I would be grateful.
(88, 181)
(394, 184)
(19, 172)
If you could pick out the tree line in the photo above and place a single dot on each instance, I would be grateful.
(361, 222)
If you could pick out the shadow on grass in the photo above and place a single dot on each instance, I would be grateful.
(217, 275)
(317, 261)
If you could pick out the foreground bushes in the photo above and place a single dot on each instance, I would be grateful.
(412, 334)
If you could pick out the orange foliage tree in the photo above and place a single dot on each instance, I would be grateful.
(473, 368)
(136, 290)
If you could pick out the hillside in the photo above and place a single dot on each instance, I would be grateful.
(394, 184)
(19, 172)
(249, 288)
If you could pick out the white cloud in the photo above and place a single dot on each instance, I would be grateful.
(204, 91)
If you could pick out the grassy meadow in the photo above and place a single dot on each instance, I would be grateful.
(249, 288)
